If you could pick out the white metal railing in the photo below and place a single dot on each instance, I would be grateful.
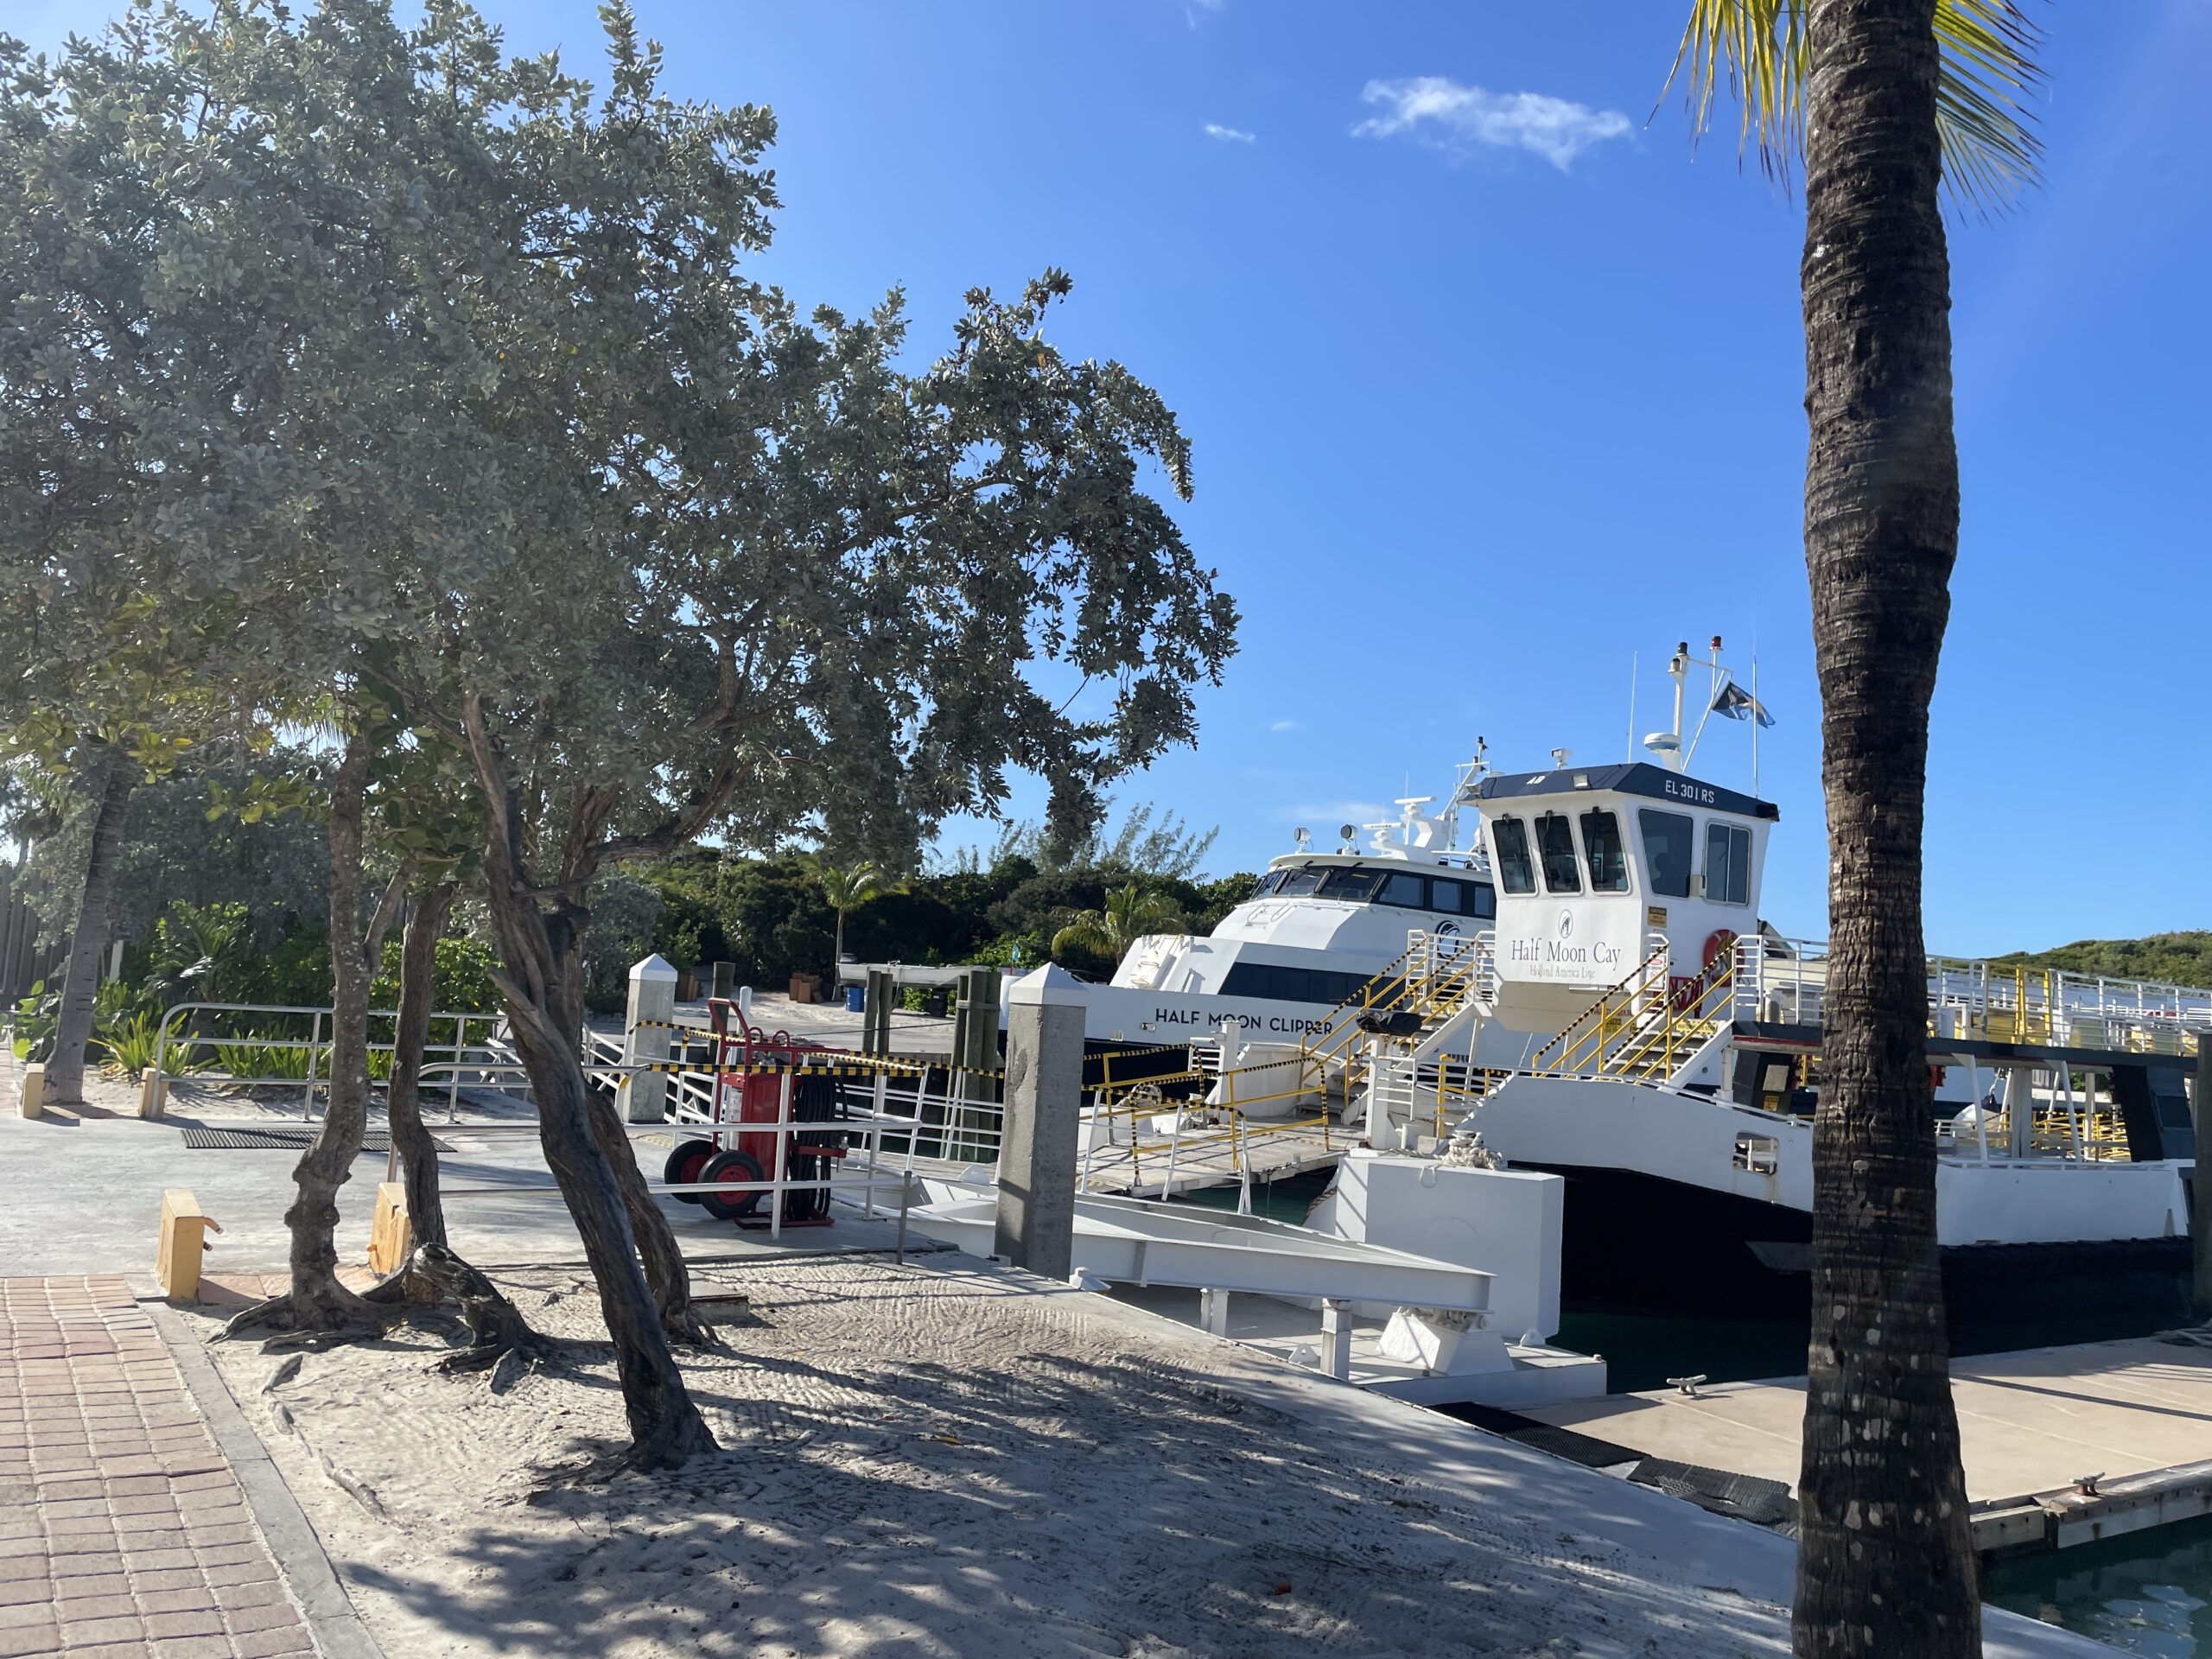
(1785, 981)
(317, 1045)
(872, 1177)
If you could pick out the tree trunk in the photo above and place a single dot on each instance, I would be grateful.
(65, 1069)
(418, 962)
(665, 1427)
(319, 1302)
(1886, 1561)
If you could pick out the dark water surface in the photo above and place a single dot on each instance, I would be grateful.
(2151, 1592)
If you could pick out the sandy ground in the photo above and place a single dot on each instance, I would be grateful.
(948, 1460)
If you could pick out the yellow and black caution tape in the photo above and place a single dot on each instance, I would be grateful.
(841, 1069)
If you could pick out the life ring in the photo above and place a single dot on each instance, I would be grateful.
(1717, 945)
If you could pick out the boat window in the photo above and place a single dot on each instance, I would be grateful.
(1302, 880)
(1447, 896)
(1727, 864)
(1485, 900)
(1355, 886)
(1667, 851)
(1277, 983)
(1406, 890)
(1608, 858)
(1509, 839)
(1555, 846)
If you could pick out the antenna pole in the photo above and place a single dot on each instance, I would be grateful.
(1631, 705)
(1755, 722)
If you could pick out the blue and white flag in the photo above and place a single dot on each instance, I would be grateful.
(1736, 703)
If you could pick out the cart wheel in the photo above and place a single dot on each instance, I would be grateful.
(731, 1167)
(813, 1201)
(683, 1167)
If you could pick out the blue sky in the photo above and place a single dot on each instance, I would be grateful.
(1494, 381)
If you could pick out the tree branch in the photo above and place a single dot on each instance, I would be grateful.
(387, 911)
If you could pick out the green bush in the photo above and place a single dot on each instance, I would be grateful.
(258, 1057)
(36, 1015)
(460, 982)
(128, 1041)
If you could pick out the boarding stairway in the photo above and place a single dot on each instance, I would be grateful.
(1398, 1045)
(1653, 1027)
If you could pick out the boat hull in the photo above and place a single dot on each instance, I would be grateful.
(1632, 1241)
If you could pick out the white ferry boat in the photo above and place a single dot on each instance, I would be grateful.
(1284, 964)
(1640, 1032)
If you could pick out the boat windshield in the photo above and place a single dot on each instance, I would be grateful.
(1356, 887)
(1305, 878)
(1601, 847)
(1556, 844)
(1516, 870)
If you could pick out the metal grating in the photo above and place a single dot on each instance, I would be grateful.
(295, 1137)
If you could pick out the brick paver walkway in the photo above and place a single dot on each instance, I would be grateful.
(122, 1531)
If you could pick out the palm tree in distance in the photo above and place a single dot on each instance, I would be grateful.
(848, 889)
(1885, 102)
(1132, 911)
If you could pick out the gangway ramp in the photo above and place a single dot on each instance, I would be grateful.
(1132, 1241)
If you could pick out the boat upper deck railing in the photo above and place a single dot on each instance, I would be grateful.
(1785, 981)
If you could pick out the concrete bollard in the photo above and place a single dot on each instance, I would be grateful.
(34, 1099)
(651, 1012)
(724, 980)
(152, 1093)
(1043, 1115)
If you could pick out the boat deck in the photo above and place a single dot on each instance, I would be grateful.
(2136, 1416)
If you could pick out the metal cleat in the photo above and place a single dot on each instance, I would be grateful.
(1686, 1386)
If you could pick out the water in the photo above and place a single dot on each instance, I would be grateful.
(2149, 1593)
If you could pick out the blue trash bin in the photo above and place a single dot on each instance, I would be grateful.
(855, 998)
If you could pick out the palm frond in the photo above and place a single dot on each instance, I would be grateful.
(1992, 149)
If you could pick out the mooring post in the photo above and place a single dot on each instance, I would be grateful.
(724, 980)
(2200, 1207)
(650, 1019)
(1044, 1113)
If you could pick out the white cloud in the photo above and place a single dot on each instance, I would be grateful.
(1288, 725)
(1231, 135)
(1438, 110)
(1323, 818)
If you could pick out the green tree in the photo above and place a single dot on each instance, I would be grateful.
(1887, 101)
(1131, 912)
(848, 889)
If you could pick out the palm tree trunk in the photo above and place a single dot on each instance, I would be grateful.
(81, 985)
(418, 962)
(318, 1301)
(1886, 1558)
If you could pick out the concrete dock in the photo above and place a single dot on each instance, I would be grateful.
(2062, 1446)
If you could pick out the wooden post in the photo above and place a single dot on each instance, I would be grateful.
(2200, 1208)
(34, 1099)
(183, 1237)
(875, 1019)
(391, 1235)
(152, 1093)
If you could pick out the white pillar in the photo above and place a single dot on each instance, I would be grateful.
(1213, 1312)
(1336, 1338)
(653, 998)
